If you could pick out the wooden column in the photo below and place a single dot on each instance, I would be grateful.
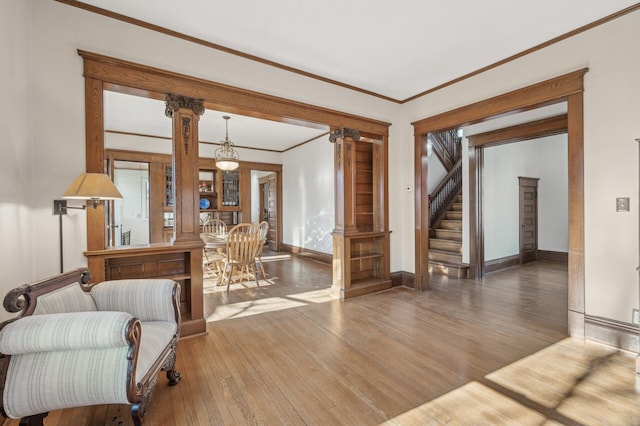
(345, 221)
(94, 134)
(575, 148)
(344, 160)
(185, 113)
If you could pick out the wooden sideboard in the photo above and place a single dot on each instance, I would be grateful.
(158, 261)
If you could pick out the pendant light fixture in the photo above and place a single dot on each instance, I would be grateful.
(226, 156)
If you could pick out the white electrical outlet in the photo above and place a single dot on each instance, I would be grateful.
(635, 317)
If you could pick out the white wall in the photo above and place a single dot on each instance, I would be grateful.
(611, 114)
(43, 80)
(435, 173)
(546, 159)
(308, 196)
(59, 86)
(17, 191)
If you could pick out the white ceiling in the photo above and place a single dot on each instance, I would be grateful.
(143, 116)
(394, 49)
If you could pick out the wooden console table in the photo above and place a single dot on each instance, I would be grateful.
(158, 261)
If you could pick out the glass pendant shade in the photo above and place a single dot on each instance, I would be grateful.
(226, 157)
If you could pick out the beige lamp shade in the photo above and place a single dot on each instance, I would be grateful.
(92, 186)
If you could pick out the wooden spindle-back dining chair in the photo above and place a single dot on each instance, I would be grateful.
(212, 258)
(263, 231)
(243, 243)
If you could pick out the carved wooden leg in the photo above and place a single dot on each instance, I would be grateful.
(136, 414)
(35, 420)
(139, 408)
(173, 375)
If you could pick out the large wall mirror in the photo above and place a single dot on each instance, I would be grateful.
(138, 156)
(129, 223)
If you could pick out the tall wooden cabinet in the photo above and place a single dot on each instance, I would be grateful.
(221, 193)
(361, 238)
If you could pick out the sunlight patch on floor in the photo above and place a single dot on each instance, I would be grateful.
(578, 379)
(276, 257)
(315, 296)
(571, 381)
(471, 404)
(210, 285)
(254, 307)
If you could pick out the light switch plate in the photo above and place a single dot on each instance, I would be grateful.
(622, 204)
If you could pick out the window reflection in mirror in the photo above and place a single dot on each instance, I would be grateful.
(131, 213)
(138, 153)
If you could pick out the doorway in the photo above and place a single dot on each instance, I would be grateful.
(569, 88)
(528, 208)
(130, 221)
(267, 205)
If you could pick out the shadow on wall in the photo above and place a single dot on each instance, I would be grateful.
(316, 234)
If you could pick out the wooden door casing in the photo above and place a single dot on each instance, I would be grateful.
(272, 211)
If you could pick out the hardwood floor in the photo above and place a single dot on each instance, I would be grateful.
(463, 353)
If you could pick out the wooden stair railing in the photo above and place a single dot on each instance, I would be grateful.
(447, 146)
(445, 194)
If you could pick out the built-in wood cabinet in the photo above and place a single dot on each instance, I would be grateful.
(158, 261)
(220, 190)
(361, 238)
(208, 190)
(221, 193)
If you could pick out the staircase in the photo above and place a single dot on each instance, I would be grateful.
(445, 246)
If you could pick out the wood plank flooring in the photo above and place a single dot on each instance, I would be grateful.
(490, 352)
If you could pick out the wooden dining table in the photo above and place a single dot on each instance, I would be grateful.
(214, 241)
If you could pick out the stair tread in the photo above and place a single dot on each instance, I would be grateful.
(444, 256)
(458, 265)
(443, 251)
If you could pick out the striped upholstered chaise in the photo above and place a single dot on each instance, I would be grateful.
(77, 344)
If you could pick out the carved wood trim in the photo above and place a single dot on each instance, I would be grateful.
(25, 297)
(343, 133)
(522, 132)
(148, 79)
(540, 94)
(133, 335)
(421, 202)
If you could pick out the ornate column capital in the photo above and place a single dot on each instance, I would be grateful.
(176, 102)
(343, 133)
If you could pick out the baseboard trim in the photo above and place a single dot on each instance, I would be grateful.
(553, 256)
(308, 254)
(614, 333)
(402, 278)
(502, 263)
